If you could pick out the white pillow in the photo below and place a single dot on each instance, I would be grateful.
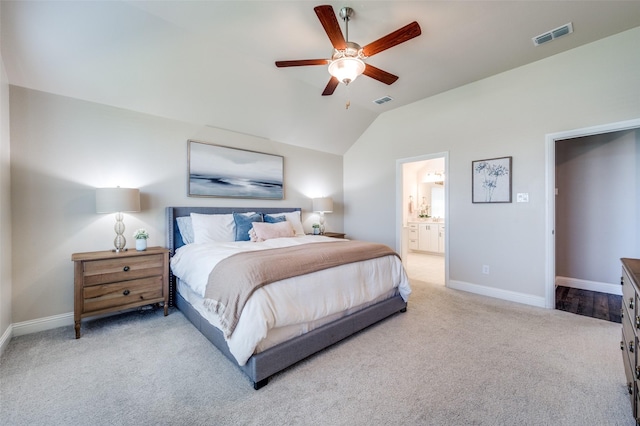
(262, 231)
(210, 228)
(294, 219)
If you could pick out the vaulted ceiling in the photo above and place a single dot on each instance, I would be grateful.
(212, 62)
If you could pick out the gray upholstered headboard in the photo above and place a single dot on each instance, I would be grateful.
(174, 239)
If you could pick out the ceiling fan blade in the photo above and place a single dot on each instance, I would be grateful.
(331, 87)
(378, 74)
(393, 39)
(301, 62)
(331, 26)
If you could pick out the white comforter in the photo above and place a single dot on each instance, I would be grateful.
(303, 300)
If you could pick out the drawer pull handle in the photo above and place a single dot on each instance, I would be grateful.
(638, 321)
(126, 293)
(631, 345)
(126, 269)
(638, 372)
(621, 345)
(631, 303)
(630, 388)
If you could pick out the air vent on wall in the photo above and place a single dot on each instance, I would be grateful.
(383, 100)
(553, 34)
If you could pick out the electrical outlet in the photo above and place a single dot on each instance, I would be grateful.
(485, 269)
(522, 197)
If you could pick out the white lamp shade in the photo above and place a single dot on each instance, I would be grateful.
(324, 205)
(112, 200)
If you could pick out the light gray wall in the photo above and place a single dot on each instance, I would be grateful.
(506, 115)
(597, 221)
(63, 148)
(5, 209)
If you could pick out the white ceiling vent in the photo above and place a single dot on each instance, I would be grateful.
(553, 34)
(383, 100)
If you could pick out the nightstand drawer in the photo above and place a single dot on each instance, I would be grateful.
(121, 294)
(111, 270)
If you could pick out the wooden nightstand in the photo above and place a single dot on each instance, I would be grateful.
(106, 281)
(334, 234)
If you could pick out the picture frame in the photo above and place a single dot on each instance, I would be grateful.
(222, 171)
(491, 180)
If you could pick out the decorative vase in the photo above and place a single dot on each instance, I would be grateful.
(141, 244)
(316, 231)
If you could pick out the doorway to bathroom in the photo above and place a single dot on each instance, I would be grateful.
(422, 209)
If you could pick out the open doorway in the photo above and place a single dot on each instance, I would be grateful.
(561, 261)
(422, 227)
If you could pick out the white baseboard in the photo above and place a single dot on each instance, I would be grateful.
(497, 293)
(41, 324)
(589, 285)
(6, 338)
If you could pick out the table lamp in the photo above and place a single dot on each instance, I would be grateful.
(322, 206)
(118, 200)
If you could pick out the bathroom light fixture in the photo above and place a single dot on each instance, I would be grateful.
(322, 206)
(118, 200)
(434, 177)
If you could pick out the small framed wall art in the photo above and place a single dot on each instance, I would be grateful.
(221, 171)
(491, 180)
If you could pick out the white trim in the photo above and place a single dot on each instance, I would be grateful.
(589, 285)
(550, 177)
(399, 204)
(6, 338)
(512, 296)
(42, 324)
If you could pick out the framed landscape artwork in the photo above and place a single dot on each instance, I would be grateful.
(491, 180)
(220, 171)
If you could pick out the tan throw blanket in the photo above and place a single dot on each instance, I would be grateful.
(234, 279)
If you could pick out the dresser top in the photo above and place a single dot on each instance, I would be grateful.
(633, 268)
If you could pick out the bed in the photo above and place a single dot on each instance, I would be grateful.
(284, 345)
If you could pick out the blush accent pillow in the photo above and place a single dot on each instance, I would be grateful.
(211, 228)
(294, 218)
(244, 223)
(266, 231)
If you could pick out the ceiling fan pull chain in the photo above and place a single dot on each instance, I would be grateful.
(348, 103)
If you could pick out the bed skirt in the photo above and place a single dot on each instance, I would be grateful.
(263, 365)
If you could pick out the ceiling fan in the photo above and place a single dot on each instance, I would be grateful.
(347, 61)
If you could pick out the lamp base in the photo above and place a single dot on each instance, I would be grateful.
(321, 220)
(119, 241)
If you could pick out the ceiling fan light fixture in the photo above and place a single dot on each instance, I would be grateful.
(346, 69)
(347, 61)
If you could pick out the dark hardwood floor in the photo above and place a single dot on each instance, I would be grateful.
(589, 303)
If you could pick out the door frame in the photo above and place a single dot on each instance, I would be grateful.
(401, 243)
(550, 147)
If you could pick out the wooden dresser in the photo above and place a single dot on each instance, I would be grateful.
(630, 329)
(106, 281)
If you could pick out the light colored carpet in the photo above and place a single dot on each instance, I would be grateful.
(453, 359)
